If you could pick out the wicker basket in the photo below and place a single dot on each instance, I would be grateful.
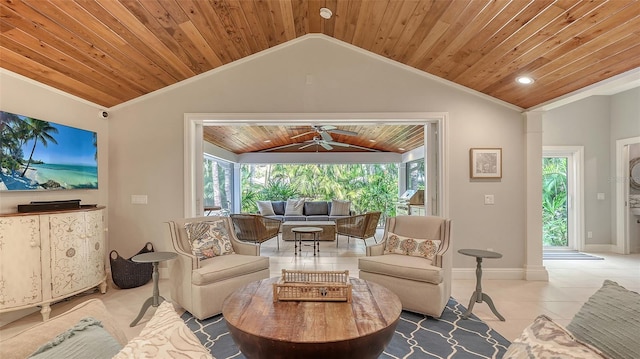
(321, 286)
(128, 274)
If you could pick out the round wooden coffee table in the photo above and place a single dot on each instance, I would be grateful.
(263, 328)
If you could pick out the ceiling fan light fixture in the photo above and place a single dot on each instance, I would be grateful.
(524, 80)
(325, 13)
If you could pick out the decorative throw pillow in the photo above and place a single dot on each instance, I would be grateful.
(294, 207)
(209, 239)
(340, 208)
(610, 321)
(265, 208)
(86, 339)
(165, 336)
(397, 244)
(545, 339)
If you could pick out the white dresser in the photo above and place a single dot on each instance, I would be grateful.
(48, 256)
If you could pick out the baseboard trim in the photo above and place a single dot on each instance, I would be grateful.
(488, 273)
(536, 272)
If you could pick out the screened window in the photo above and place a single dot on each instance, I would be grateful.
(415, 174)
(218, 182)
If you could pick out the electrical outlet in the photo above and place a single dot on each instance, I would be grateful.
(489, 199)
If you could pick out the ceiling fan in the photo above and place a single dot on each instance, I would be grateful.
(324, 143)
(325, 132)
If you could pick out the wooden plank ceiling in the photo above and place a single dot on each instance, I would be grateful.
(112, 51)
(367, 138)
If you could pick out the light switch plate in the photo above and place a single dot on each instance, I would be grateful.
(600, 196)
(139, 199)
(489, 199)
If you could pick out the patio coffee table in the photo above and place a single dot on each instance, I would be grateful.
(263, 328)
(328, 230)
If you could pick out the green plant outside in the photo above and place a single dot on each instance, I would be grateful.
(369, 187)
(554, 202)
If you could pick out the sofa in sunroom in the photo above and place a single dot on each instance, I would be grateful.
(305, 210)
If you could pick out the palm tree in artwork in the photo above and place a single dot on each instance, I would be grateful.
(40, 132)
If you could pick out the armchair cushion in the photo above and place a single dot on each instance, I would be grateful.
(265, 208)
(401, 266)
(227, 267)
(340, 208)
(426, 248)
(208, 239)
(294, 207)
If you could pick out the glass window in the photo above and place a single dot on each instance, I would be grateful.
(218, 183)
(415, 174)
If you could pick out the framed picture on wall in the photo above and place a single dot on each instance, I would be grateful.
(485, 162)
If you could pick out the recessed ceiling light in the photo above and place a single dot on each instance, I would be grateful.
(400, 149)
(524, 80)
(267, 141)
(325, 13)
(372, 141)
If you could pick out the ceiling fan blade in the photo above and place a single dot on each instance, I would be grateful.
(344, 132)
(278, 147)
(326, 146)
(326, 136)
(365, 148)
(305, 146)
(328, 127)
(338, 144)
(303, 134)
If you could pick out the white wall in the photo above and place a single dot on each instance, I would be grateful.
(625, 123)
(586, 123)
(596, 123)
(634, 221)
(25, 97)
(146, 137)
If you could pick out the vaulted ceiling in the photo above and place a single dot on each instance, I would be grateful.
(111, 51)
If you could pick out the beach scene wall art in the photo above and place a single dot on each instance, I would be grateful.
(41, 155)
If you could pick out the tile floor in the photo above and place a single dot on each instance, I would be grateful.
(570, 285)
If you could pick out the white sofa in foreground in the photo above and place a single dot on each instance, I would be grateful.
(164, 336)
(607, 326)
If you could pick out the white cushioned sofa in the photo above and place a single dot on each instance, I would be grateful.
(607, 326)
(164, 336)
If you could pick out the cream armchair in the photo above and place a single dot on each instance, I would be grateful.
(423, 285)
(201, 286)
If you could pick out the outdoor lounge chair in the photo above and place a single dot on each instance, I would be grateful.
(361, 226)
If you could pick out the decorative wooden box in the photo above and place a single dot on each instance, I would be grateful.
(315, 286)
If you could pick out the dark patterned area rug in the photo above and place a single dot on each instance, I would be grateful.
(416, 336)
